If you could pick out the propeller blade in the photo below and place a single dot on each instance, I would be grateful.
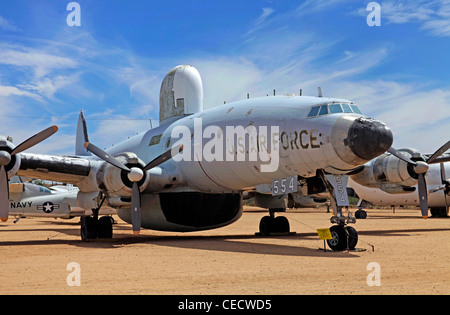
(105, 156)
(402, 157)
(438, 153)
(4, 195)
(37, 138)
(136, 209)
(423, 196)
(163, 157)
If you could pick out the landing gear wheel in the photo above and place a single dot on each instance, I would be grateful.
(280, 225)
(105, 229)
(343, 238)
(361, 214)
(93, 228)
(339, 241)
(269, 225)
(352, 237)
(265, 226)
(89, 229)
(439, 212)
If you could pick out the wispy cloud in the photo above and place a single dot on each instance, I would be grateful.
(14, 91)
(260, 21)
(38, 61)
(7, 25)
(431, 15)
(314, 6)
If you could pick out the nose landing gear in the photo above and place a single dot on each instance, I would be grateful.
(344, 236)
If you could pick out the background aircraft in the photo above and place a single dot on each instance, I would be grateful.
(310, 137)
(438, 194)
(406, 178)
(31, 200)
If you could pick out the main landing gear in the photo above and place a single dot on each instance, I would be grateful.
(93, 227)
(271, 225)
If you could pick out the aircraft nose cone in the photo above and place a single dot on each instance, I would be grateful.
(357, 141)
(368, 138)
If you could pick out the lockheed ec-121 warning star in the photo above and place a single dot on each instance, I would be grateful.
(189, 173)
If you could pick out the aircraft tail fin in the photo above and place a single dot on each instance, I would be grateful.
(82, 137)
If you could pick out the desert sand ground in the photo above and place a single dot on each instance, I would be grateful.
(413, 255)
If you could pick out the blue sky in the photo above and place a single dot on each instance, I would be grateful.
(113, 64)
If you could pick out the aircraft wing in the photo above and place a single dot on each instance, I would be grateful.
(65, 169)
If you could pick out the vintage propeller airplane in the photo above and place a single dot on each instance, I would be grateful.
(60, 202)
(406, 177)
(189, 173)
(31, 200)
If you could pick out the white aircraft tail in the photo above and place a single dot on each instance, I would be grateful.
(82, 137)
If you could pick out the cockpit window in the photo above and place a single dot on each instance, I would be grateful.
(44, 189)
(333, 109)
(356, 109)
(314, 111)
(323, 110)
(346, 108)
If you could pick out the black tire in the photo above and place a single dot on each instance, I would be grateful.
(339, 241)
(105, 228)
(280, 225)
(265, 225)
(439, 212)
(352, 237)
(89, 228)
(361, 214)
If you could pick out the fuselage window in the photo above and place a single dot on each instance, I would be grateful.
(323, 110)
(155, 140)
(335, 108)
(314, 111)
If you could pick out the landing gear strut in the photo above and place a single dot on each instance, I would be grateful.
(344, 236)
(270, 224)
(93, 228)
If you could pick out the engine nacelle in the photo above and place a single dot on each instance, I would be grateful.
(113, 181)
(88, 200)
(389, 173)
(7, 147)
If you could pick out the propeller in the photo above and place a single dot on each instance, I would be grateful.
(5, 159)
(135, 175)
(421, 168)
